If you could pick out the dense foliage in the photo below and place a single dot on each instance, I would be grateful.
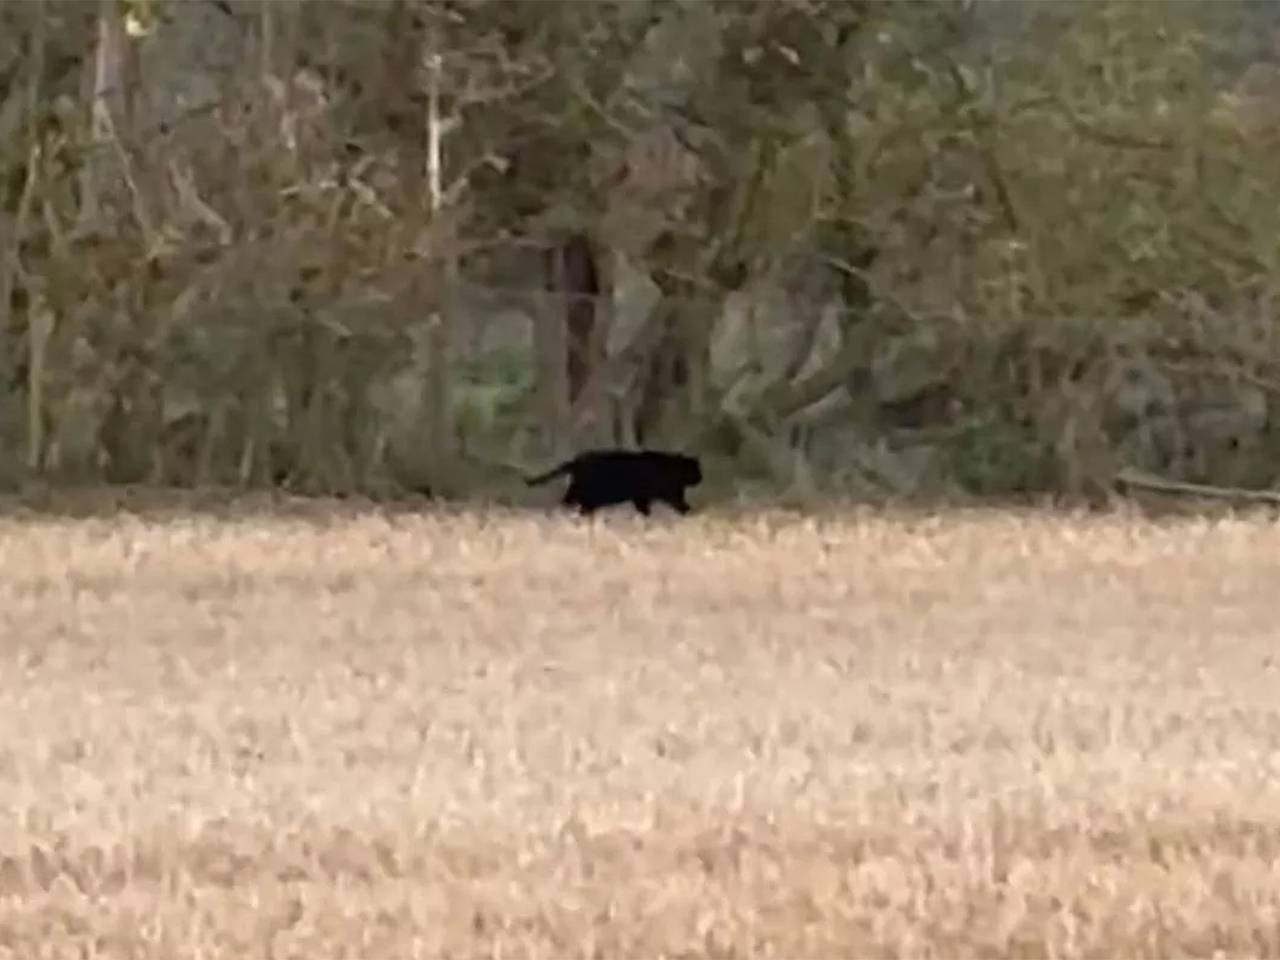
(882, 247)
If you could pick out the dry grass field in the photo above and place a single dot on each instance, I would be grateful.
(334, 733)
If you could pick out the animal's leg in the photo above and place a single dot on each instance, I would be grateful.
(585, 497)
(572, 496)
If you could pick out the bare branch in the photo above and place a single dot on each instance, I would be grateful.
(1110, 138)
(1143, 481)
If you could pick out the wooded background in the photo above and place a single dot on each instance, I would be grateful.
(878, 248)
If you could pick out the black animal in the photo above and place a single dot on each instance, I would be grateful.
(599, 478)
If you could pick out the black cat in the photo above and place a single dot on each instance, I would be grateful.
(599, 478)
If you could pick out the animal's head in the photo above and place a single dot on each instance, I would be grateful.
(691, 471)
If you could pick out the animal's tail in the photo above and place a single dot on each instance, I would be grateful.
(550, 474)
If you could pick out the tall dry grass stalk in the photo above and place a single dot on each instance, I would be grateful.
(374, 735)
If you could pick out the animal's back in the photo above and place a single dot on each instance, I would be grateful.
(608, 459)
(609, 474)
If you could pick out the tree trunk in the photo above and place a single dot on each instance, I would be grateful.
(573, 277)
(551, 345)
(414, 114)
(572, 271)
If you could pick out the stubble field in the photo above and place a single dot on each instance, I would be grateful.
(394, 735)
